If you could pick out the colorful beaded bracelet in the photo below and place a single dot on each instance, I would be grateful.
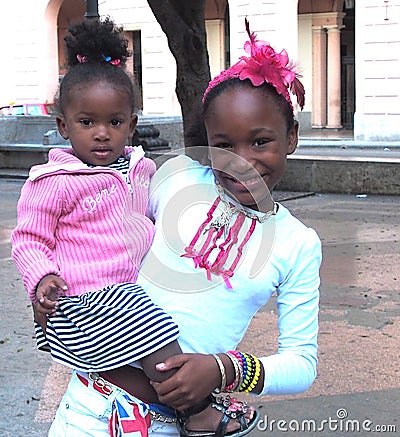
(256, 376)
(247, 371)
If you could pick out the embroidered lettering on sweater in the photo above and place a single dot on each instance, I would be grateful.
(141, 181)
(90, 203)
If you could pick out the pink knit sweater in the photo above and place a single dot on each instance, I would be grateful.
(82, 223)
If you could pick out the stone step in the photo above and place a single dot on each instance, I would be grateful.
(335, 167)
(345, 169)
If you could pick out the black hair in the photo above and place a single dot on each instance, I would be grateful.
(91, 47)
(269, 91)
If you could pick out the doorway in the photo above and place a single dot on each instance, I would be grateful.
(348, 97)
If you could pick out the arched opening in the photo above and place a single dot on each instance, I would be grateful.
(217, 28)
(71, 11)
(59, 14)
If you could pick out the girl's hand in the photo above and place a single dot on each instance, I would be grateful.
(49, 290)
(197, 376)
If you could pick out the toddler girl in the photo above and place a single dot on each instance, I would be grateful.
(82, 233)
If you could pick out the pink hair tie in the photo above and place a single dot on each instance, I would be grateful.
(264, 65)
(116, 62)
(81, 59)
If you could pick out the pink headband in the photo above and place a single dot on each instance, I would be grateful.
(264, 65)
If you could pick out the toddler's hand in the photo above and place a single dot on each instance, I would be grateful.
(39, 317)
(49, 290)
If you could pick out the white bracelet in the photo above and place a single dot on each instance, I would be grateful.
(222, 371)
(238, 374)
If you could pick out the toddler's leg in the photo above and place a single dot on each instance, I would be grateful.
(149, 362)
(206, 421)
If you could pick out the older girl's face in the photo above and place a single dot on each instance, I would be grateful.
(248, 144)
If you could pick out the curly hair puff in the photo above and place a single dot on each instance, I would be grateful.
(96, 51)
(96, 40)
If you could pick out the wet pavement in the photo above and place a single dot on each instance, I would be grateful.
(358, 386)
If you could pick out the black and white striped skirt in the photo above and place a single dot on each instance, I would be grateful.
(106, 329)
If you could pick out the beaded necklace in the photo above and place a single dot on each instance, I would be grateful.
(219, 226)
(230, 209)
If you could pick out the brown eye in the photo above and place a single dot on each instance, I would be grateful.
(222, 145)
(260, 143)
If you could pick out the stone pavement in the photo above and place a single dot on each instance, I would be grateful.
(358, 386)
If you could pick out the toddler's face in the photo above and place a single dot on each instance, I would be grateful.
(98, 121)
(249, 143)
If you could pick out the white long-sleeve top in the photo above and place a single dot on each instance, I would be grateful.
(282, 256)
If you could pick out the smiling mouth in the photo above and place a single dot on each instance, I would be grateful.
(245, 181)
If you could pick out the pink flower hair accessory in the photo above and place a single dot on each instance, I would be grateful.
(264, 65)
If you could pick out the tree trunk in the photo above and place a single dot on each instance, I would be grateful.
(183, 23)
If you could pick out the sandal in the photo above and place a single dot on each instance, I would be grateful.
(231, 409)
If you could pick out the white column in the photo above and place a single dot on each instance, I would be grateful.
(318, 77)
(333, 74)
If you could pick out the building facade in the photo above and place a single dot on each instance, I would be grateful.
(348, 51)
